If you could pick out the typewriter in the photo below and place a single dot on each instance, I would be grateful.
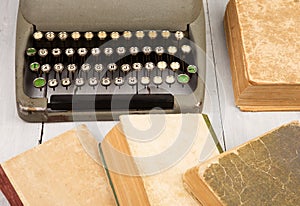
(97, 60)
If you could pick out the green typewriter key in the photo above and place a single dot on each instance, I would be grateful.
(35, 66)
(95, 52)
(149, 66)
(183, 78)
(132, 81)
(50, 36)
(119, 81)
(82, 52)
(172, 50)
(75, 35)
(52, 83)
(38, 35)
(159, 50)
(152, 34)
(31, 52)
(165, 34)
(115, 35)
(56, 52)
(186, 49)
(63, 36)
(39, 82)
(145, 81)
(127, 35)
(112, 67)
(162, 65)
(170, 79)
(105, 81)
(86, 67)
(137, 66)
(72, 68)
(79, 82)
(102, 35)
(89, 36)
(58, 67)
(192, 69)
(140, 34)
(46, 68)
(125, 68)
(43, 53)
(147, 50)
(179, 35)
(98, 67)
(134, 50)
(175, 66)
(157, 80)
(121, 51)
(70, 52)
(108, 51)
(65, 82)
(93, 81)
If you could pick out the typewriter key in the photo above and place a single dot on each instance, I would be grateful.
(119, 81)
(62, 35)
(162, 65)
(70, 52)
(52, 83)
(66, 82)
(121, 50)
(157, 80)
(125, 67)
(183, 78)
(102, 35)
(159, 50)
(134, 50)
(115, 35)
(186, 49)
(56, 52)
(39, 82)
(172, 50)
(137, 66)
(43, 53)
(38, 35)
(98, 67)
(31, 52)
(50, 36)
(85, 67)
(108, 51)
(147, 50)
(93, 81)
(82, 52)
(140, 34)
(175, 66)
(170, 79)
(46, 68)
(152, 34)
(35, 66)
(112, 67)
(165, 34)
(58, 67)
(127, 35)
(105, 81)
(75, 35)
(88, 36)
(132, 81)
(95, 51)
(192, 69)
(149, 66)
(72, 68)
(179, 35)
(145, 80)
(79, 82)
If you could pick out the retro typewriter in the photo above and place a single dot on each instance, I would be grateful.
(96, 61)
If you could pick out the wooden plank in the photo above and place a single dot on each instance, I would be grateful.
(16, 135)
(238, 126)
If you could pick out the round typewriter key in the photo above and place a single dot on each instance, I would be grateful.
(108, 51)
(149, 66)
(157, 80)
(95, 51)
(192, 69)
(186, 49)
(39, 82)
(165, 34)
(52, 83)
(127, 35)
(179, 35)
(82, 52)
(170, 79)
(72, 68)
(119, 81)
(125, 67)
(112, 67)
(121, 50)
(50, 36)
(132, 81)
(56, 52)
(145, 80)
(58, 67)
(102, 35)
(79, 82)
(85, 67)
(162, 65)
(70, 52)
(134, 50)
(62, 35)
(105, 81)
(88, 36)
(115, 35)
(183, 78)
(147, 50)
(137, 66)
(75, 35)
(43, 52)
(152, 34)
(46, 68)
(31, 52)
(98, 67)
(175, 66)
(93, 81)
(35, 66)
(140, 34)
(66, 82)
(159, 50)
(172, 50)
(38, 35)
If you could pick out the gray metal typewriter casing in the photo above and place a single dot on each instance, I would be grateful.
(113, 15)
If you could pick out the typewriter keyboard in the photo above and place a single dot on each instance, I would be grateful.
(134, 69)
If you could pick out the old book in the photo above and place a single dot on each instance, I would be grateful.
(264, 171)
(264, 43)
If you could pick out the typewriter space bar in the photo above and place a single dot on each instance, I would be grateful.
(111, 102)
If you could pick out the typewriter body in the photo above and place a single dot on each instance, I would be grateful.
(95, 60)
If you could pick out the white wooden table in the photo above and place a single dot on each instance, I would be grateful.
(232, 126)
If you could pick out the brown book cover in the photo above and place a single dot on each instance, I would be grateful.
(264, 171)
(264, 44)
